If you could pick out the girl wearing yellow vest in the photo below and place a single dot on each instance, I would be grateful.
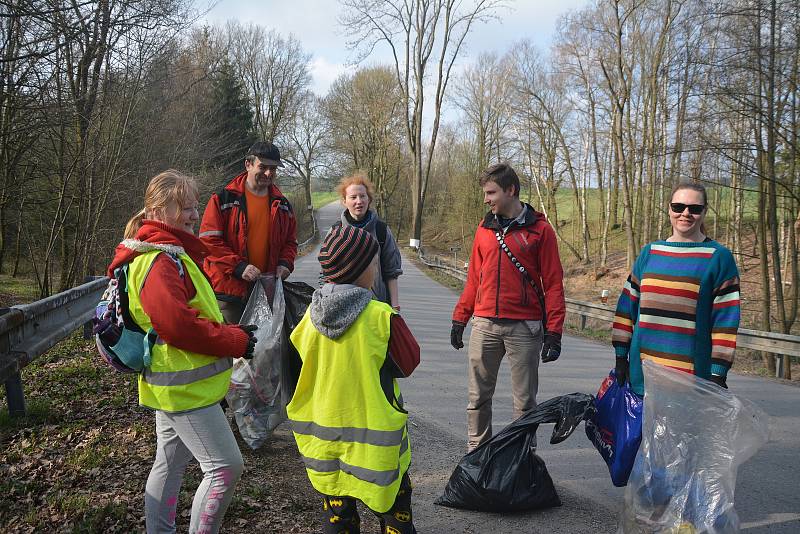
(191, 360)
(347, 413)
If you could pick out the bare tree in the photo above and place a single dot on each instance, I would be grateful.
(485, 103)
(275, 70)
(309, 136)
(417, 31)
(364, 109)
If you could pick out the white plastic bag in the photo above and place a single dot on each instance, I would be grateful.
(255, 391)
(695, 436)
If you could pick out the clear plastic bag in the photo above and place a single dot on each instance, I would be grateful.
(694, 438)
(255, 394)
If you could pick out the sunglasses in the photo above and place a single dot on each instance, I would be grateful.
(694, 209)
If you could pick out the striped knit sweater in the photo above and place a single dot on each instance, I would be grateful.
(680, 308)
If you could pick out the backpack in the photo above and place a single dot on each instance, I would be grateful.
(122, 343)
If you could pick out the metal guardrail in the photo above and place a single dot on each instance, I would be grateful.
(29, 330)
(774, 342)
(311, 240)
(436, 263)
(781, 345)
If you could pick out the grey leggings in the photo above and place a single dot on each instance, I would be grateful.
(205, 435)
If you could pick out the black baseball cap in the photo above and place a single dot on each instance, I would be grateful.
(266, 152)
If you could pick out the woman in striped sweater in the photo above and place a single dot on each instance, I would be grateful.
(680, 304)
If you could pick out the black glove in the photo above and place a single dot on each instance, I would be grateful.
(457, 335)
(251, 341)
(621, 370)
(551, 347)
(721, 381)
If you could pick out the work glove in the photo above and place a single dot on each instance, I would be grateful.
(621, 370)
(251, 340)
(721, 381)
(457, 335)
(551, 347)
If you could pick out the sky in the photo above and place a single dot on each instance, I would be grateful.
(314, 24)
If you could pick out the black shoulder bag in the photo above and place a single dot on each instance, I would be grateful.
(501, 241)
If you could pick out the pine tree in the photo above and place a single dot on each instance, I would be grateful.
(233, 117)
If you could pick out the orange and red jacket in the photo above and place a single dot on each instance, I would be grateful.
(224, 231)
(497, 289)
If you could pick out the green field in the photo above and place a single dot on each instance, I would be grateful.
(718, 199)
(570, 227)
(321, 198)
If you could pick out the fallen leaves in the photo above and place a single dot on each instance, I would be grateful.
(81, 464)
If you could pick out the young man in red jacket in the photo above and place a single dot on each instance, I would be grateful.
(251, 229)
(515, 296)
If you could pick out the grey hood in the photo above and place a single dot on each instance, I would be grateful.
(334, 307)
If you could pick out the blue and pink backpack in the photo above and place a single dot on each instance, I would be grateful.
(122, 343)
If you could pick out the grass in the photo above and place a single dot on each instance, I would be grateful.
(38, 411)
(19, 290)
(94, 454)
(321, 198)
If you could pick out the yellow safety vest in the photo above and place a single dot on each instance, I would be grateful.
(353, 441)
(178, 380)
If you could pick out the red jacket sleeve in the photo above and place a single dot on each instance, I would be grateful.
(466, 303)
(403, 348)
(165, 296)
(289, 249)
(552, 279)
(212, 233)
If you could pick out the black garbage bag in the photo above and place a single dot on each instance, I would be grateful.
(297, 296)
(505, 474)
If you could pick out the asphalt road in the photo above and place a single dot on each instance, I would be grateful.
(768, 487)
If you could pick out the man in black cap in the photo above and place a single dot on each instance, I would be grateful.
(250, 229)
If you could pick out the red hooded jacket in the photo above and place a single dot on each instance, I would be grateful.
(224, 231)
(496, 289)
(165, 295)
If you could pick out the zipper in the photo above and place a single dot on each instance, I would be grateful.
(524, 289)
(243, 218)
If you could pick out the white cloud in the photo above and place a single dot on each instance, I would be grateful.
(324, 73)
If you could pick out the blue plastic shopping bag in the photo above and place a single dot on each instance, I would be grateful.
(616, 428)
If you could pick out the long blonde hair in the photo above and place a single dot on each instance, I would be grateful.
(165, 189)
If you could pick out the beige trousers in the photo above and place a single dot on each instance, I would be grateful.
(491, 339)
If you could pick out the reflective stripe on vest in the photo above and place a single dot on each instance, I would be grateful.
(181, 378)
(352, 440)
(385, 438)
(178, 380)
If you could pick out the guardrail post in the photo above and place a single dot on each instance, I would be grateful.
(583, 322)
(15, 396)
(779, 365)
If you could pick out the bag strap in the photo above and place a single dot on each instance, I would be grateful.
(381, 231)
(521, 268)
